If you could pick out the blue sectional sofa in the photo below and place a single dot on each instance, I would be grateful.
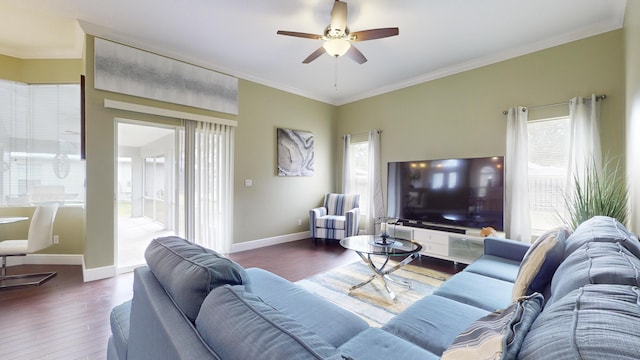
(567, 296)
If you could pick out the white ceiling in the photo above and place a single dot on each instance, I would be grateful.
(138, 135)
(238, 37)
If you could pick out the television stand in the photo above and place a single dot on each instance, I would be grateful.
(460, 246)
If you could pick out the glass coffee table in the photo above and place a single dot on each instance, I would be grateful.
(387, 247)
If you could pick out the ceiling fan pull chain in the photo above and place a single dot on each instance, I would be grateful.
(335, 79)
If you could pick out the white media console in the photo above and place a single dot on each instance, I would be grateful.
(462, 246)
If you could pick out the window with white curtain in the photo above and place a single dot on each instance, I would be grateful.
(359, 151)
(40, 144)
(548, 158)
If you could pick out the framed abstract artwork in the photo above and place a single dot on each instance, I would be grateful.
(295, 152)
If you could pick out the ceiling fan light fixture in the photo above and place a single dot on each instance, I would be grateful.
(337, 36)
(336, 47)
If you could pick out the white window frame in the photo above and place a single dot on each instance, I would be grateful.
(547, 184)
(360, 171)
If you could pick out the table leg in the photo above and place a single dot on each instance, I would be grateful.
(382, 274)
(363, 283)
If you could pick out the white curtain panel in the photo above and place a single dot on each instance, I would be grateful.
(209, 184)
(584, 145)
(347, 177)
(376, 204)
(517, 213)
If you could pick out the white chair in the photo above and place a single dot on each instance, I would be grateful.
(40, 237)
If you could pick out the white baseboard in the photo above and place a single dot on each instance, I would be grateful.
(98, 273)
(63, 259)
(256, 244)
(46, 259)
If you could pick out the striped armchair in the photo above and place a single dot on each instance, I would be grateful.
(337, 219)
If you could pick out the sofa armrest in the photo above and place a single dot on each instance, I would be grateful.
(119, 320)
(352, 222)
(505, 248)
(158, 329)
(319, 211)
(314, 214)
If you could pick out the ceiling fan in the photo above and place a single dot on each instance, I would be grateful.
(337, 37)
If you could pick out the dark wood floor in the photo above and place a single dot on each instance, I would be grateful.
(68, 319)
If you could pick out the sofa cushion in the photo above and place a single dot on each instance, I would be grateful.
(595, 263)
(495, 267)
(306, 308)
(331, 221)
(602, 229)
(540, 262)
(188, 272)
(477, 290)
(439, 317)
(239, 325)
(374, 343)
(498, 335)
(593, 322)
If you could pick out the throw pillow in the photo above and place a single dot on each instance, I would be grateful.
(188, 272)
(540, 262)
(498, 335)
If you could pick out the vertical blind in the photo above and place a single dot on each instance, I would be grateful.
(208, 186)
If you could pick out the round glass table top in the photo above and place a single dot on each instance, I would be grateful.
(377, 245)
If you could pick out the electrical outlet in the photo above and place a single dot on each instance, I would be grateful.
(56, 239)
(299, 222)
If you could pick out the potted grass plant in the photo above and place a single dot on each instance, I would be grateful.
(601, 192)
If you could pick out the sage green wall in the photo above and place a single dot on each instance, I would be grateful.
(461, 115)
(37, 71)
(10, 68)
(272, 206)
(632, 70)
(68, 225)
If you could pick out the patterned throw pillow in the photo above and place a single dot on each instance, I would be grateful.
(498, 335)
(540, 262)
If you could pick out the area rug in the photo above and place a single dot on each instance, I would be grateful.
(371, 302)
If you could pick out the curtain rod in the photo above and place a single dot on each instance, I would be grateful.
(364, 133)
(598, 97)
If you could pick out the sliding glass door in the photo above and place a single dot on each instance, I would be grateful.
(147, 205)
(173, 181)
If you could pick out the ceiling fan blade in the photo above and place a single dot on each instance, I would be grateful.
(299, 34)
(339, 16)
(314, 55)
(373, 34)
(356, 55)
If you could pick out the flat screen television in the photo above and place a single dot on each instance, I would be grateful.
(457, 193)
